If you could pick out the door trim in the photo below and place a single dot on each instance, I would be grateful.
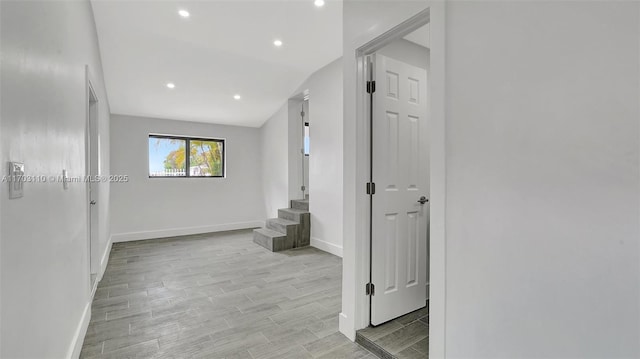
(90, 94)
(435, 16)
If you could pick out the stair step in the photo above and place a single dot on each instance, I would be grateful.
(280, 224)
(291, 214)
(302, 217)
(300, 204)
(269, 232)
(272, 240)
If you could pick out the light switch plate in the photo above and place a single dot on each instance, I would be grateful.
(16, 173)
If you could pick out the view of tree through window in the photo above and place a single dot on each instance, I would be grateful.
(206, 158)
(168, 157)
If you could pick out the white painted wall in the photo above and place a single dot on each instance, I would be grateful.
(543, 232)
(407, 52)
(325, 159)
(362, 23)
(274, 140)
(45, 292)
(282, 166)
(159, 207)
(542, 177)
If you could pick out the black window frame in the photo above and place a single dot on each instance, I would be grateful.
(187, 159)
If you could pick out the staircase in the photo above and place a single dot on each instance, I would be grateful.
(292, 228)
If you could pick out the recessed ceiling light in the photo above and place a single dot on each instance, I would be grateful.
(184, 13)
(278, 43)
(171, 85)
(319, 3)
(237, 97)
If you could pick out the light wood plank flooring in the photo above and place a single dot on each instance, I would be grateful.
(406, 337)
(218, 296)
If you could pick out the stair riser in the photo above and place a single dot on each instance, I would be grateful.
(263, 241)
(305, 230)
(300, 205)
(289, 216)
(304, 220)
(292, 231)
(274, 244)
(278, 227)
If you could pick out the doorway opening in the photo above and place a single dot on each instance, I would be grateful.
(305, 151)
(299, 146)
(397, 106)
(92, 174)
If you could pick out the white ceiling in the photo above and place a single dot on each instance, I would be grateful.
(223, 48)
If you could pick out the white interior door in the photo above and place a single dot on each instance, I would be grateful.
(400, 173)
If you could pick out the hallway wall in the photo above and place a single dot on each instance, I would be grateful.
(44, 265)
(542, 176)
(407, 52)
(325, 159)
(160, 207)
(274, 154)
(543, 231)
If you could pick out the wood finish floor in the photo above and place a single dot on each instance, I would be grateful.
(218, 296)
(406, 337)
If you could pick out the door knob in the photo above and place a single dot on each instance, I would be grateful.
(423, 200)
(92, 202)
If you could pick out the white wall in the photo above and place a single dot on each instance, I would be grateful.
(158, 207)
(542, 180)
(362, 22)
(274, 139)
(407, 52)
(325, 159)
(45, 290)
(542, 176)
(281, 143)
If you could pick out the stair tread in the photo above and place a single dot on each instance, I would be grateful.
(283, 221)
(305, 200)
(269, 232)
(294, 210)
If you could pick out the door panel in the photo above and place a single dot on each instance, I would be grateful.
(400, 171)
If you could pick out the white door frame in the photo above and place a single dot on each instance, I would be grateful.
(295, 145)
(435, 16)
(90, 156)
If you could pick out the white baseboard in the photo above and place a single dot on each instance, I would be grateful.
(81, 331)
(327, 246)
(346, 327)
(172, 232)
(105, 258)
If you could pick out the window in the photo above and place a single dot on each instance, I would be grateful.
(306, 138)
(168, 157)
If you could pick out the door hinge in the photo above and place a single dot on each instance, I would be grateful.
(370, 289)
(371, 188)
(371, 86)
